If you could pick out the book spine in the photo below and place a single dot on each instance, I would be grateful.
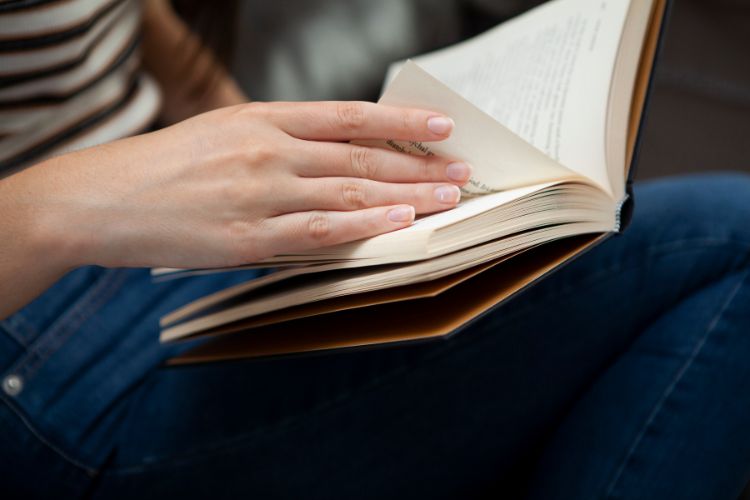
(627, 206)
(624, 212)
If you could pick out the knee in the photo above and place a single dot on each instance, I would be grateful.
(704, 205)
(700, 218)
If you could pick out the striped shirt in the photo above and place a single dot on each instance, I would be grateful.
(70, 77)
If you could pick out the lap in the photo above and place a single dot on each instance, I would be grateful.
(78, 352)
(450, 418)
(472, 408)
(667, 418)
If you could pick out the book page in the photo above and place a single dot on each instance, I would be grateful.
(413, 242)
(546, 76)
(501, 160)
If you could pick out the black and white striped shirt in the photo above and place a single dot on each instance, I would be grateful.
(70, 77)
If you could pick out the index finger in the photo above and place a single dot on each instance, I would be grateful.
(349, 120)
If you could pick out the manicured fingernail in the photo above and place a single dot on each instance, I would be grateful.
(401, 214)
(458, 171)
(448, 194)
(440, 125)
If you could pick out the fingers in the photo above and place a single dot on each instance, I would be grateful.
(325, 159)
(301, 231)
(349, 120)
(341, 193)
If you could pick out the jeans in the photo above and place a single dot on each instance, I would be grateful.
(625, 374)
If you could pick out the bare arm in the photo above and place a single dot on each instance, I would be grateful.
(38, 247)
(224, 188)
(30, 259)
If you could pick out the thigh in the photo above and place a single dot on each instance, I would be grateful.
(667, 419)
(443, 420)
(69, 361)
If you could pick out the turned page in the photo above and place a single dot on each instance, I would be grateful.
(501, 159)
(546, 76)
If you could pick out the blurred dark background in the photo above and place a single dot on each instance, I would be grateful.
(699, 117)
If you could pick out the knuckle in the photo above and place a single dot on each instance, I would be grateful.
(363, 162)
(319, 226)
(244, 111)
(370, 223)
(256, 108)
(425, 168)
(353, 195)
(243, 243)
(259, 153)
(350, 115)
(407, 120)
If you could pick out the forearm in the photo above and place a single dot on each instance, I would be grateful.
(32, 254)
(192, 79)
(67, 212)
(38, 244)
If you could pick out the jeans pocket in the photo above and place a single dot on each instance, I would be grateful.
(49, 321)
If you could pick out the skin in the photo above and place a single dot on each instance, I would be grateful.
(226, 187)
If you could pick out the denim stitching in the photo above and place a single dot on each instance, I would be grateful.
(671, 387)
(39, 353)
(185, 458)
(20, 329)
(49, 342)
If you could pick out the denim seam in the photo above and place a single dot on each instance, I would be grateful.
(656, 251)
(40, 355)
(20, 329)
(49, 342)
(12, 334)
(328, 404)
(669, 391)
(40, 437)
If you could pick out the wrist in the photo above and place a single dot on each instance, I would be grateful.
(48, 227)
(35, 250)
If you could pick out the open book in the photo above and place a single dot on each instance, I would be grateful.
(548, 108)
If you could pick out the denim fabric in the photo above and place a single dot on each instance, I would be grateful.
(623, 375)
(79, 351)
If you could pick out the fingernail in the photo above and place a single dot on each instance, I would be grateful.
(448, 194)
(458, 171)
(440, 125)
(401, 214)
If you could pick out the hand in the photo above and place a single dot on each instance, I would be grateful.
(239, 184)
